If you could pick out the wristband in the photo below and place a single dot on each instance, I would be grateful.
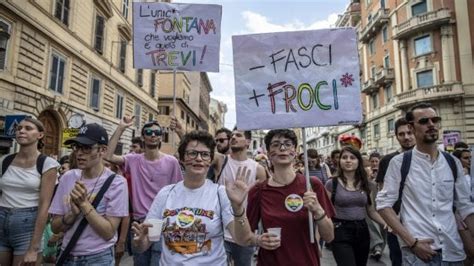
(88, 212)
(414, 244)
(238, 215)
(320, 218)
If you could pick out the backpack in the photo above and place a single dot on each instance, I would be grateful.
(405, 168)
(9, 159)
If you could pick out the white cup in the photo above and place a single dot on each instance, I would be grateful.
(154, 232)
(275, 231)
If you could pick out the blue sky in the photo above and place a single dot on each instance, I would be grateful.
(260, 16)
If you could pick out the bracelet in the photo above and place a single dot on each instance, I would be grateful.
(320, 218)
(238, 215)
(414, 244)
(63, 221)
(257, 239)
(88, 212)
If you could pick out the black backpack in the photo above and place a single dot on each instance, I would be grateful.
(405, 168)
(9, 159)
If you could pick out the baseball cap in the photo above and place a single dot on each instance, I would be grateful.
(90, 134)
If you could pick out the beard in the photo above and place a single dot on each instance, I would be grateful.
(237, 149)
(223, 150)
(430, 138)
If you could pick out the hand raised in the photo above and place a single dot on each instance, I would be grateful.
(126, 121)
(237, 189)
(174, 124)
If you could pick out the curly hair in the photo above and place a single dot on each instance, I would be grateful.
(200, 136)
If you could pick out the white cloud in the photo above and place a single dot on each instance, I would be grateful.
(223, 82)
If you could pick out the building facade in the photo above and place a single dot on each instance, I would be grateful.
(217, 111)
(67, 59)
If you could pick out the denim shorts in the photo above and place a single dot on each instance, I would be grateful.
(16, 229)
(103, 258)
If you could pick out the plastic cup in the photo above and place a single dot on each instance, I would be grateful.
(154, 232)
(275, 231)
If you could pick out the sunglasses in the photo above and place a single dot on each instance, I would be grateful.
(149, 132)
(221, 140)
(425, 120)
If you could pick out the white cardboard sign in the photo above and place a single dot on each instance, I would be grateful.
(297, 79)
(172, 36)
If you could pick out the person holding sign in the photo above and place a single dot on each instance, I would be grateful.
(282, 203)
(194, 212)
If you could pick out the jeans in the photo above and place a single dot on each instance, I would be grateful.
(350, 246)
(395, 252)
(242, 256)
(16, 229)
(150, 256)
(410, 259)
(104, 258)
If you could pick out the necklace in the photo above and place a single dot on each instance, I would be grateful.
(95, 184)
(281, 183)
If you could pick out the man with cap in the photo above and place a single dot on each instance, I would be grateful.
(149, 171)
(74, 196)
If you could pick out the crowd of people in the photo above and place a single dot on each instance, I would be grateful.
(214, 205)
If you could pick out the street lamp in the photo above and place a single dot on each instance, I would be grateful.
(4, 36)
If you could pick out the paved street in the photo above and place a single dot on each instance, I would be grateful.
(327, 259)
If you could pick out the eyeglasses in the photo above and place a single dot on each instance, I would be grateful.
(425, 120)
(84, 148)
(193, 154)
(277, 144)
(149, 132)
(221, 140)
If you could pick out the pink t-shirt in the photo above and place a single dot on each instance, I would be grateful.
(113, 204)
(148, 178)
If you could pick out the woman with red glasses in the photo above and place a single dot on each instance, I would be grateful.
(26, 187)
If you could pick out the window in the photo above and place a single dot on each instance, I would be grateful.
(372, 72)
(376, 131)
(182, 114)
(56, 73)
(95, 94)
(140, 77)
(372, 47)
(138, 113)
(423, 45)
(4, 43)
(153, 84)
(388, 93)
(390, 126)
(188, 119)
(424, 78)
(151, 117)
(119, 106)
(165, 137)
(164, 110)
(386, 61)
(99, 33)
(62, 11)
(384, 34)
(375, 101)
(123, 56)
(419, 8)
(125, 4)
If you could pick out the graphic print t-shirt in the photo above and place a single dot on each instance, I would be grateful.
(193, 223)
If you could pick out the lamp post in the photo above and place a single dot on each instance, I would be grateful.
(4, 36)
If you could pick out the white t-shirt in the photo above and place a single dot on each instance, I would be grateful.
(230, 172)
(192, 230)
(20, 187)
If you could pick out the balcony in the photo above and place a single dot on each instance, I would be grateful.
(423, 22)
(369, 87)
(384, 76)
(378, 20)
(432, 93)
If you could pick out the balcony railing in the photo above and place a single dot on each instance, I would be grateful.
(378, 20)
(369, 86)
(422, 22)
(432, 93)
(384, 75)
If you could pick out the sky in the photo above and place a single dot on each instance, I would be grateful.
(260, 16)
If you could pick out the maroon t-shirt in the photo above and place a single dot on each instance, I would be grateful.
(283, 207)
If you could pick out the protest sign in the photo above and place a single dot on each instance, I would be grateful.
(297, 79)
(171, 36)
